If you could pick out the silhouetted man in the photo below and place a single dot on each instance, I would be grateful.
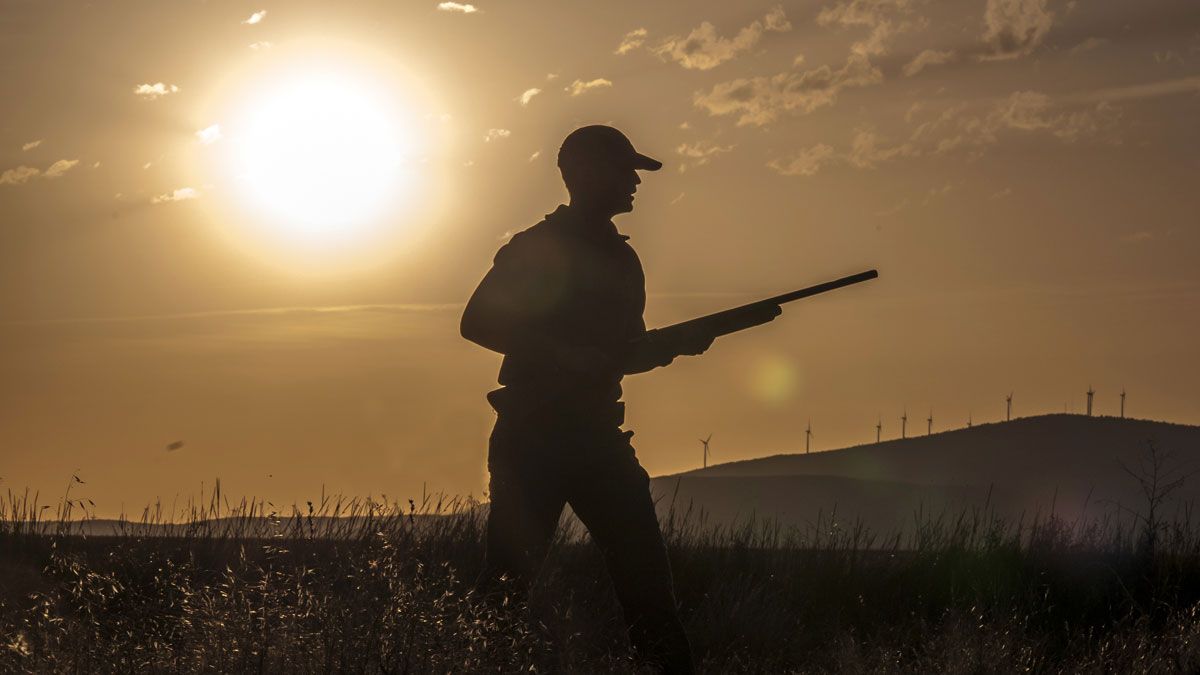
(563, 302)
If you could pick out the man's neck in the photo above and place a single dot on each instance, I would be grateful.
(589, 213)
(590, 223)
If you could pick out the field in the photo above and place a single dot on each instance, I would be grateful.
(366, 587)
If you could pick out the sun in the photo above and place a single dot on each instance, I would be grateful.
(321, 154)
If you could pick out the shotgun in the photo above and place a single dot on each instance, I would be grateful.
(749, 315)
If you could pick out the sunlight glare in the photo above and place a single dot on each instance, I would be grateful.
(321, 154)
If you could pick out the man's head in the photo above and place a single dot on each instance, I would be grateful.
(599, 167)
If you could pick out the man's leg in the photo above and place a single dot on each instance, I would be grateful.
(526, 502)
(610, 492)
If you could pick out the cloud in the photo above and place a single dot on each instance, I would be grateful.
(209, 135)
(893, 210)
(178, 195)
(1015, 27)
(60, 167)
(936, 192)
(1169, 56)
(457, 7)
(261, 46)
(579, 86)
(535, 155)
(527, 95)
(19, 175)
(866, 152)
(861, 12)
(256, 17)
(23, 174)
(701, 152)
(1086, 123)
(964, 126)
(884, 18)
(632, 40)
(761, 100)
(153, 91)
(494, 134)
(286, 311)
(1089, 44)
(806, 162)
(1183, 85)
(1022, 112)
(929, 57)
(703, 49)
(1139, 237)
(31, 145)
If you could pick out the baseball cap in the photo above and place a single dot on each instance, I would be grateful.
(600, 143)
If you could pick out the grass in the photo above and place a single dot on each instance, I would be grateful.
(361, 586)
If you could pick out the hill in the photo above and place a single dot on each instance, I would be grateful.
(1071, 464)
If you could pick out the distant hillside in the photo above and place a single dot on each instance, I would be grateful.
(1028, 465)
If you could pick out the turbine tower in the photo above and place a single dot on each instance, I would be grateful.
(878, 429)
(704, 442)
(1090, 392)
(904, 424)
(968, 420)
(808, 437)
(1008, 411)
(1122, 402)
(929, 429)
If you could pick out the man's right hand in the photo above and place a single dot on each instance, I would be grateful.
(691, 344)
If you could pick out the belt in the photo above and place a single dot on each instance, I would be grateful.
(546, 407)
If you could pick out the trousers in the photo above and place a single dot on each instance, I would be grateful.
(538, 464)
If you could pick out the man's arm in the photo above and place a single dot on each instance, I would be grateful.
(659, 347)
(509, 310)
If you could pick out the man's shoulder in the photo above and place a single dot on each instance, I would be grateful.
(532, 243)
(547, 234)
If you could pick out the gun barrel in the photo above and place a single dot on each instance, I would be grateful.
(819, 288)
(741, 317)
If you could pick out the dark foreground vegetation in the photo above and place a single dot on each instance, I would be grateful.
(364, 587)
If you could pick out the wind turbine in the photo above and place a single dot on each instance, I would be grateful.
(878, 429)
(704, 442)
(1122, 402)
(929, 429)
(1008, 402)
(968, 420)
(808, 437)
(1090, 393)
(904, 424)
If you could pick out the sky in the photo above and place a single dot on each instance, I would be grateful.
(251, 228)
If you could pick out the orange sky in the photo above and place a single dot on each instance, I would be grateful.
(1022, 172)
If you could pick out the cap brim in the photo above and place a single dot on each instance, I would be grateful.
(643, 162)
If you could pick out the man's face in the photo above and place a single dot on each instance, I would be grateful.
(608, 189)
(624, 184)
